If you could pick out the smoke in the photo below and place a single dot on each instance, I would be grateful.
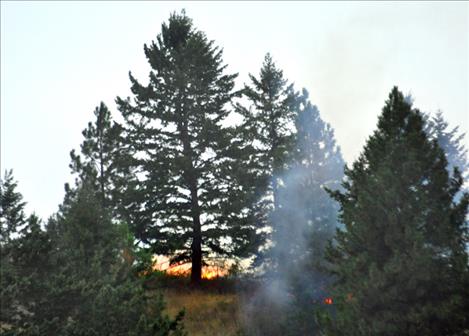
(295, 284)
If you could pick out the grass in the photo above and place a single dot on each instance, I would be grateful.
(206, 312)
(211, 309)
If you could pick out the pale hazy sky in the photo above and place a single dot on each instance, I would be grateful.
(60, 59)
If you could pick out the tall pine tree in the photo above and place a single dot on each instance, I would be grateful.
(12, 217)
(400, 262)
(451, 141)
(268, 128)
(175, 126)
(268, 121)
(106, 162)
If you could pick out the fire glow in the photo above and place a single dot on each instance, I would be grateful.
(328, 301)
(208, 272)
(183, 270)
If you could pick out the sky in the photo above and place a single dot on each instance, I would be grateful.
(59, 60)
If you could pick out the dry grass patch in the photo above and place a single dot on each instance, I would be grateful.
(206, 313)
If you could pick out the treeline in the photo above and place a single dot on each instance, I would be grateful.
(197, 169)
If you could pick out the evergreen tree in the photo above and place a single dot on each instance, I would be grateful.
(175, 125)
(25, 265)
(400, 262)
(268, 132)
(18, 284)
(451, 141)
(106, 162)
(12, 217)
(269, 121)
(73, 280)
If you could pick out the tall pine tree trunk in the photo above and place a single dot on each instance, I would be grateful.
(191, 179)
(196, 247)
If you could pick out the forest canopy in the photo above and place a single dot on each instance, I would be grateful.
(314, 246)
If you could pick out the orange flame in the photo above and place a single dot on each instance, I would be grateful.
(328, 301)
(212, 272)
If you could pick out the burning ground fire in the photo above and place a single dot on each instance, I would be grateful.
(161, 263)
(328, 301)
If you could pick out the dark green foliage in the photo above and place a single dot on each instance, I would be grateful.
(12, 217)
(25, 265)
(105, 162)
(175, 126)
(73, 278)
(13, 222)
(400, 263)
(267, 131)
(269, 121)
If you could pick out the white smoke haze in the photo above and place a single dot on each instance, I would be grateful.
(289, 269)
(305, 220)
(294, 284)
